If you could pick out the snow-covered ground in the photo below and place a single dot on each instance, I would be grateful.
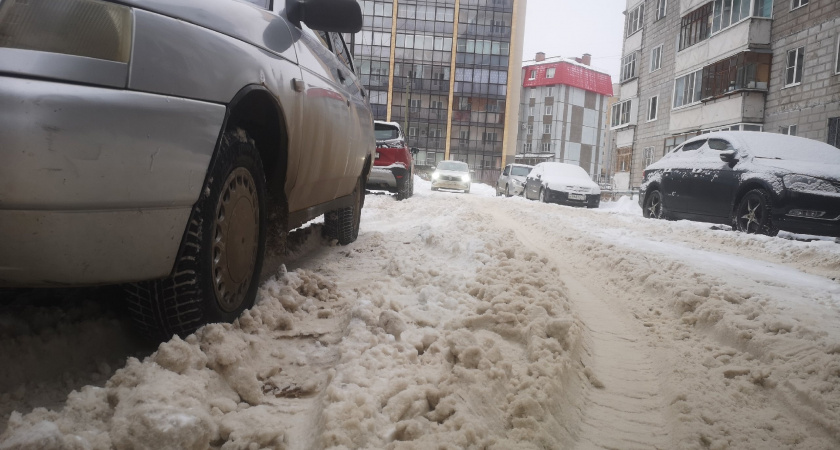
(466, 321)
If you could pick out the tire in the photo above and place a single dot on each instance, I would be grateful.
(434, 188)
(404, 189)
(543, 198)
(343, 223)
(754, 213)
(653, 205)
(216, 273)
(507, 191)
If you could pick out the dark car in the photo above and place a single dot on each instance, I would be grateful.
(757, 182)
(567, 184)
(148, 143)
(393, 168)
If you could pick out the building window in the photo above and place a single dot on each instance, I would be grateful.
(412, 131)
(746, 70)
(661, 6)
(532, 75)
(621, 114)
(526, 147)
(531, 111)
(415, 105)
(546, 147)
(653, 107)
(488, 136)
(549, 110)
(687, 89)
(736, 127)
(628, 67)
(530, 128)
(546, 128)
(647, 154)
(730, 12)
(464, 135)
(635, 19)
(834, 131)
(550, 91)
(797, 4)
(656, 59)
(694, 27)
(795, 61)
(789, 130)
(549, 73)
(837, 57)
(533, 92)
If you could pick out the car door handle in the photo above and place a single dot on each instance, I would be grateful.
(341, 76)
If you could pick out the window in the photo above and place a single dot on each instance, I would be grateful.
(795, 61)
(837, 57)
(549, 110)
(550, 91)
(532, 75)
(464, 135)
(736, 127)
(437, 104)
(621, 113)
(635, 19)
(694, 27)
(546, 128)
(687, 89)
(628, 67)
(788, 129)
(415, 105)
(661, 6)
(720, 144)
(531, 111)
(488, 136)
(729, 12)
(530, 128)
(549, 73)
(653, 105)
(797, 3)
(647, 155)
(546, 147)
(656, 59)
(834, 131)
(533, 92)
(412, 131)
(526, 147)
(746, 70)
(691, 146)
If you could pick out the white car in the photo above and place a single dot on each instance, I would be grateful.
(512, 180)
(568, 184)
(452, 175)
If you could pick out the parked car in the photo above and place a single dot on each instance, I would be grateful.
(150, 143)
(568, 184)
(451, 175)
(512, 180)
(393, 168)
(757, 182)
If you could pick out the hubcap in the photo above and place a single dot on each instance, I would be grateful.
(751, 215)
(236, 230)
(653, 206)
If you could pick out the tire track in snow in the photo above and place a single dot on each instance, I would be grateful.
(626, 399)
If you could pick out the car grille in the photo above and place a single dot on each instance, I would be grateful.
(449, 178)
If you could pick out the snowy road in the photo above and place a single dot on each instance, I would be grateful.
(471, 321)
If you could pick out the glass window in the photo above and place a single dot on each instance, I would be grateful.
(628, 67)
(834, 131)
(746, 70)
(837, 57)
(340, 50)
(687, 89)
(789, 130)
(647, 155)
(547, 128)
(621, 113)
(720, 144)
(656, 59)
(661, 6)
(635, 19)
(549, 73)
(694, 27)
(795, 62)
(693, 145)
(652, 108)
(549, 110)
(798, 3)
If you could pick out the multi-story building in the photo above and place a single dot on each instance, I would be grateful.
(695, 66)
(449, 72)
(563, 112)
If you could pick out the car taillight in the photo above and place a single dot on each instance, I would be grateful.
(90, 28)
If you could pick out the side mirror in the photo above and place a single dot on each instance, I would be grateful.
(415, 150)
(728, 156)
(337, 16)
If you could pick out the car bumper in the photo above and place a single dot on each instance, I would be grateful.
(826, 225)
(448, 184)
(589, 200)
(97, 184)
(386, 177)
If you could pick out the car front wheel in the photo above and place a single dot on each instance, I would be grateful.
(343, 224)
(653, 205)
(216, 274)
(753, 214)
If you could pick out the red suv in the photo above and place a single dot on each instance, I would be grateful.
(393, 168)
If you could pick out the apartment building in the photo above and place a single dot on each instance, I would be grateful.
(695, 66)
(449, 72)
(563, 112)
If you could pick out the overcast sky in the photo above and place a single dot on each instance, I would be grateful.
(571, 28)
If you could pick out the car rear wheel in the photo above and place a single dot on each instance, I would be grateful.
(653, 205)
(507, 191)
(405, 188)
(543, 198)
(343, 224)
(754, 213)
(216, 274)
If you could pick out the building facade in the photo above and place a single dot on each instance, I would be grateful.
(448, 71)
(695, 66)
(563, 112)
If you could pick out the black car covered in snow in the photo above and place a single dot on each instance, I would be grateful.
(757, 182)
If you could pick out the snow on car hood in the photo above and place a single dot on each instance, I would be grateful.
(816, 169)
(559, 183)
(451, 173)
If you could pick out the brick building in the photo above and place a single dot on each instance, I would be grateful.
(695, 66)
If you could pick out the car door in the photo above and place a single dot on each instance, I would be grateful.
(327, 122)
(676, 195)
(713, 181)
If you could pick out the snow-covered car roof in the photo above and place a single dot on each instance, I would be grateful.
(391, 124)
(558, 169)
(777, 146)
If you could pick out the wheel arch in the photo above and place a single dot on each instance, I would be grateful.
(748, 185)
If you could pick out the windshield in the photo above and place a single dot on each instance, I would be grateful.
(453, 165)
(386, 132)
(780, 146)
(519, 171)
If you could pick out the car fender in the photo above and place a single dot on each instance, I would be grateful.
(770, 182)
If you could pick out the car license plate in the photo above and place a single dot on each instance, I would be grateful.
(577, 197)
(377, 155)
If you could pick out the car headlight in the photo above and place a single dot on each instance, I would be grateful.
(465, 178)
(89, 28)
(435, 176)
(805, 183)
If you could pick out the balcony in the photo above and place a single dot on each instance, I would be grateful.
(736, 108)
(751, 33)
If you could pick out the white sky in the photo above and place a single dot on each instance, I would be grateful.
(566, 28)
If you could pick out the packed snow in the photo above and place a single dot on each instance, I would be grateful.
(464, 321)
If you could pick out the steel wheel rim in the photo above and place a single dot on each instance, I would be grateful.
(654, 205)
(752, 213)
(235, 236)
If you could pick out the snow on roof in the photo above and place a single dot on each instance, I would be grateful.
(393, 124)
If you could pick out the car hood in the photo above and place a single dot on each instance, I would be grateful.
(451, 173)
(559, 183)
(815, 169)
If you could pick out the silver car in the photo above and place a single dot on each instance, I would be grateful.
(150, 142)
(512, 180)
(452, 175)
